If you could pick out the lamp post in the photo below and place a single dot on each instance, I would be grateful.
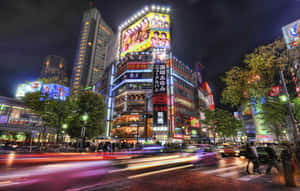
(84, 119)
(64, 127)
(286, 98)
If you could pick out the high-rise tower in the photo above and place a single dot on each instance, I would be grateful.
(90, 55)
(54, 70)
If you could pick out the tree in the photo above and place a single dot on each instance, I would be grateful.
(222, 122)
(54, 79)
(54, 113)
(273, 113)
(94, 105)
(257, 76)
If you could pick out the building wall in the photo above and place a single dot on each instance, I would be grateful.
(132, 83)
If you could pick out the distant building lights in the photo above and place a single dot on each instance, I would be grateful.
(153, 7)
(163, 9)
(168, 9)
(157, 8)
(146, 8)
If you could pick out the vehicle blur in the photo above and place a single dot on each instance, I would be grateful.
(205, 154)
(229, 150)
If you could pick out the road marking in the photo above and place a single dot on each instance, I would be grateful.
(216, 171)
(229, 174)
(158, 171)
(249, 177)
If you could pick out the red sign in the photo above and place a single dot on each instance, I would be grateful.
(160, 98)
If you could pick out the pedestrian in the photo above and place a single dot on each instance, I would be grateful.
(272, 159)
(288, 169)
(252, 157)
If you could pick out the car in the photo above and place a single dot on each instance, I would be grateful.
(229, 150)
(204, 154)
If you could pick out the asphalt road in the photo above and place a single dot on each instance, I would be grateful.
(128, 172)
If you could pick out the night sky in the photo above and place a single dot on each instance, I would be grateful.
(216, 32)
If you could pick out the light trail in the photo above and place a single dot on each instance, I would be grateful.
(159, 171)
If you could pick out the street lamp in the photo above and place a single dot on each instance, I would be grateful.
(283, 98)
(64, 126)
(84, 118)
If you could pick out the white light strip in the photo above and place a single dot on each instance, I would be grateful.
(132, 71)
(133, 81)
(159, 171)
(174, 74)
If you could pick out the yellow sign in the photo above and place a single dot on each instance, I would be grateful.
(152, 30)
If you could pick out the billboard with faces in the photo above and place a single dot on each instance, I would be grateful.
(152, 30)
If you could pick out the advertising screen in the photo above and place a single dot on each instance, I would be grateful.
(291, 33)
(194, 122)
(55, 91)
(31, 87)
(152, 30)
(21, 90)
(34, 87)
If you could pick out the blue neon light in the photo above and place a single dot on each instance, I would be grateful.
(182, 79)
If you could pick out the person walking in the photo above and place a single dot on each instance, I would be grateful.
(272, 159)
(252, 156)
(288, 170)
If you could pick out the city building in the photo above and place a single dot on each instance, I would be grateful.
(54, 70)
(89, 63)
(14, 117)
(152, 92)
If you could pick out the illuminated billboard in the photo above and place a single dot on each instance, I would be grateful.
(160, 115)
(194, 122)
(291, 33)
(21, 90)
(30, 87)
(55, 91)
(152, 30)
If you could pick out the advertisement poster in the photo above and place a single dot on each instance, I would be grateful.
(291, 33)
(153, 30)
(159, 95)
(55, 91)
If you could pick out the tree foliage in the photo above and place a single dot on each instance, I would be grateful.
(55, 113)
(257, 76)
(94, 105)
(273, 113)
(222, 122)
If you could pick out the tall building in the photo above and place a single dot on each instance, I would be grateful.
(152, 91)
(54, 69)
(90, 55)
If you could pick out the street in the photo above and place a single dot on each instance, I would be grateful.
(135, 172)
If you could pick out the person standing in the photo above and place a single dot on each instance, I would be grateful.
(272, 159)
(288, 170)
(252, 156)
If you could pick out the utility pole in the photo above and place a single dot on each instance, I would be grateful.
(84, 118)
(289, 106)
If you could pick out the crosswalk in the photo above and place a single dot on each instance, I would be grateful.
(234, 169)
